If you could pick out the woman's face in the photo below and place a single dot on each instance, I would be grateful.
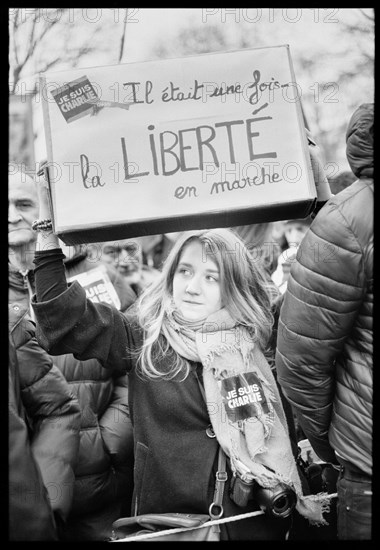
(196, 283)
(294, 233)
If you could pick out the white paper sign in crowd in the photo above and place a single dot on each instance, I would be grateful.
(98, 286)
(175, 144)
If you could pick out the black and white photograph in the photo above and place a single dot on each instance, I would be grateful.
(190, 274)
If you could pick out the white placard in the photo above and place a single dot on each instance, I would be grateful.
(169, 139)
(98, 286)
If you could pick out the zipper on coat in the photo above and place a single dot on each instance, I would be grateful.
(28, 286)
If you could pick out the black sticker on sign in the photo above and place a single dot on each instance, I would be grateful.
(74, 99)
(243, 396)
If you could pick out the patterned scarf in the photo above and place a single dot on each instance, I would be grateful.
(243, 403)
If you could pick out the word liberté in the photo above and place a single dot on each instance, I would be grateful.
(170, 151)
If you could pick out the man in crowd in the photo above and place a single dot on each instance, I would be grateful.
(44, 414)
(126, 256)
(101, 481)
(325, 336)
(22, 211)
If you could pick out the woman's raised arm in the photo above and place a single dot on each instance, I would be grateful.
(46, 239)
(67, 321)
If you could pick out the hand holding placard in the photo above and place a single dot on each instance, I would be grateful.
(43, 192)
(45, 239)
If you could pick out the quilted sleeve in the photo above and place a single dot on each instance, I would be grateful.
(325, 290)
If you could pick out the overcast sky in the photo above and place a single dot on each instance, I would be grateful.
(305, 30)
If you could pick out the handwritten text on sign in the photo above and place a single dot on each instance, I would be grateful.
(191, 135)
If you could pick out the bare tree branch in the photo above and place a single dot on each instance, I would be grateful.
(123, 36)
(15, 22)
(31, 45)
(46, 29)
(29, 54)
(15, 27)
(366, 15)
(31, 38)
(16, 75)
(50, 64)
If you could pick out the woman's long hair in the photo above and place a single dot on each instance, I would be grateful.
(247, 293)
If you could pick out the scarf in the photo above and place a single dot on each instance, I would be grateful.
(243, 403)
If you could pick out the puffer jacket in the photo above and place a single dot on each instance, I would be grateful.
(104, 473)
(43, 439)
(325, 335)
(104, 470)
(20, 286)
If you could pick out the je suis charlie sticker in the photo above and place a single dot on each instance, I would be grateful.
(243, 396)
(75, 99)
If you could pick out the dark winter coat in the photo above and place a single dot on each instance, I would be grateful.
(175, 459)
(104, 472)
(325, 338)
(104, 469)
(43, 439)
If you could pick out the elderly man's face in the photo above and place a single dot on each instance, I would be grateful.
(125, 255)
(23, 209)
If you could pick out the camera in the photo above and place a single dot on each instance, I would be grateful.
(278, 502)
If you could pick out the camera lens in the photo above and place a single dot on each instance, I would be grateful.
(278, 502)
(283, 505)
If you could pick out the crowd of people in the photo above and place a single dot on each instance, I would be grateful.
(122, 409)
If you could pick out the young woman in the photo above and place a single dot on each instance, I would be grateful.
(194, 346)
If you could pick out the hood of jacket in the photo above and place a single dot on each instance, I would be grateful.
(359, 141)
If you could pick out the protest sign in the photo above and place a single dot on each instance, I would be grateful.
(98, 286)
(170, 145)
